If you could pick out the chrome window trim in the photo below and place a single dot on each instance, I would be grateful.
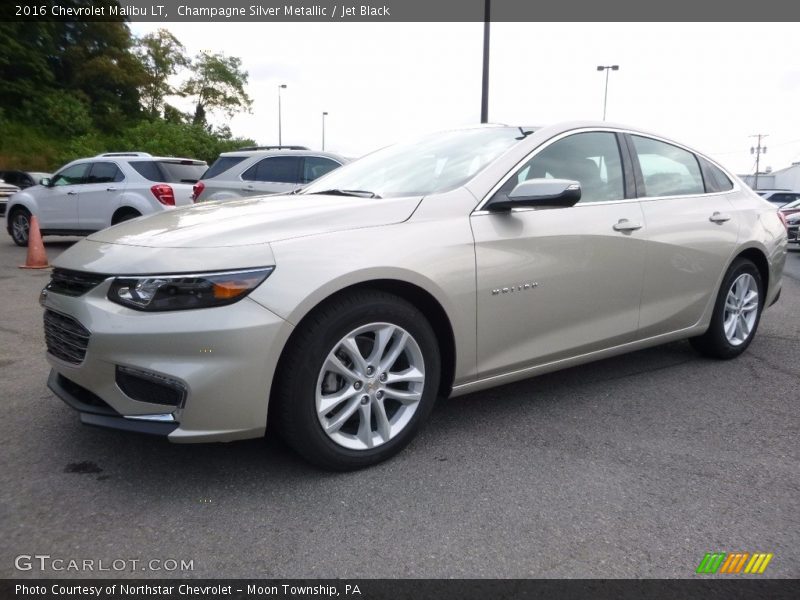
(480, 210)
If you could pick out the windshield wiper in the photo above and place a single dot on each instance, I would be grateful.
(357, 193)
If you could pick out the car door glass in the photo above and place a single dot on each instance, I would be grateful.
(275, 169)
(71, 175)
(666, 169)
(592, 159)
(315, 167)
(104, 172)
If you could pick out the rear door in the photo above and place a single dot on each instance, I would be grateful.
(272, 175)
(691, 232)
(105, 185)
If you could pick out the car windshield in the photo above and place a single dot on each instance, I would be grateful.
(793, 204)
(436, 163)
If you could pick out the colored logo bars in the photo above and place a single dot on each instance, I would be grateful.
(734, 562)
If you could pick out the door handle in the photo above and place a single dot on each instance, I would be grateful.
(248, 187)
(719, 217)
(111, 189)
(626, 225)
(72, 193)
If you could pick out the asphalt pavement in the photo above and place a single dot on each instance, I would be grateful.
(630, 467)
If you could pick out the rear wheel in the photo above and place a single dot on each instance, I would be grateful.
(358, 381)
(125, 214)
(20, 223)
(737, 312)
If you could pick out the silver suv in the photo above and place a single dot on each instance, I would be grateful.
(90, 194)
(261, 170)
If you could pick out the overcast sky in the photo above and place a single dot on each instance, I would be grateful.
(709, 85)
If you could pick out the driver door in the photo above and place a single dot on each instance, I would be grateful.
(58, 203)
(554, 283)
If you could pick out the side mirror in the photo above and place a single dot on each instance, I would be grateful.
(540, 193)
(46, 182)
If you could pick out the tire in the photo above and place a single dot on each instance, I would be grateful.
(321, 372)
(19, 223)
(125, 215)
(736, 295)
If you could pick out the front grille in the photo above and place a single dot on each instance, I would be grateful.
(73, 283)
(65, 337)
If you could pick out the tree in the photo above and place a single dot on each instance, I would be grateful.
(161, 55)
(217, 84)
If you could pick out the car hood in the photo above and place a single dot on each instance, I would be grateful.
(256, 221)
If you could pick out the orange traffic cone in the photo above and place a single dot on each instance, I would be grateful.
(37, 257)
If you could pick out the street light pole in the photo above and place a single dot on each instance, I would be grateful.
(605, 96)
(324, 114)
(280, 141)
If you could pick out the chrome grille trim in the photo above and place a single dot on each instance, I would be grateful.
(73, 283)
(66, 339)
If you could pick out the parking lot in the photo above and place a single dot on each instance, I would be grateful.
(631, 467)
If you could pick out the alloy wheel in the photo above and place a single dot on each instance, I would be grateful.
(370, 385)
(741, 309)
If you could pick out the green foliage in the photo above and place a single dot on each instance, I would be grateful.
(59, 114)
(217, 83)
(163, 138)
(75, 89)
(162, 55)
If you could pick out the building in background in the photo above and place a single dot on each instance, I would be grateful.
(784, 179)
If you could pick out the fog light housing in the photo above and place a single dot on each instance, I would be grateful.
(145, 386)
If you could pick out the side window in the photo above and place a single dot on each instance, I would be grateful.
(104, 172)
(71, 175)
(315, 167)
(715, 179)
(592, 159)
(667, 169)
(280, 169)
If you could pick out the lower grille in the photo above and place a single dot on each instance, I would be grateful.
(66, 339)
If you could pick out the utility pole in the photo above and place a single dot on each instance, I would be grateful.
(758, 151)
(487, 18)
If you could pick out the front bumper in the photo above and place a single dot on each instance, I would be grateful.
(223, 358)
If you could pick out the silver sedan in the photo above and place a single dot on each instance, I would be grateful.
(464, 260)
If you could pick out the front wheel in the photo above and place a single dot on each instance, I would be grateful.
(357, 382)
(20, 222)
(737, 313)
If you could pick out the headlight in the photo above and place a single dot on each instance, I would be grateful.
(183, 292)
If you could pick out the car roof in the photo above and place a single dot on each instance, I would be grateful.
(249, 153)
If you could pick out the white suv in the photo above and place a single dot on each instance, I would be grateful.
(90, 194)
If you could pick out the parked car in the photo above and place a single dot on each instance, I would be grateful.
(464, 260)
(23, 179)
(6, 191)
(790, 208)
(262, 170)
(90, 194)
(779, 197)
(792, 223)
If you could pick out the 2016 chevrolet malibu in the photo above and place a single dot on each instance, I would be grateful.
(465, 260)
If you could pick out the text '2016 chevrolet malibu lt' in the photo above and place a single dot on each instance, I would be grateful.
(464, 260)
